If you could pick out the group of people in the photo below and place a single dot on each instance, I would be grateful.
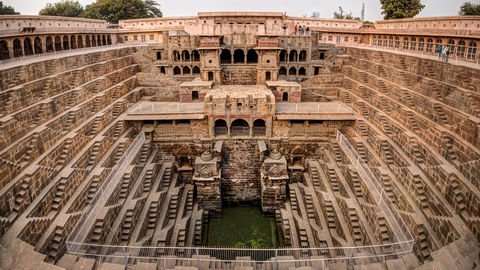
(443, 52)
(302, 30)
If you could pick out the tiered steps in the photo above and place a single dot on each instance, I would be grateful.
(172, 211)
(119, 152)
(95, 125)
(411, 120)
(62, 159)
(362, 151)
(385, 149)
(309, 206)
(332, 176)
(21, 195)
(70, 121)
(92, 190)
(55, 248)
(293, 200)
(422, 242)
(59, 194)
(127, 226)
(362, 128)
(189, 204)
(355, 226)
(92, 161)
(420, 191)
(97, 233)
(441, 117)
(147, 183)
(330, 215)
(336, 152)
(387, 186)
(357, 187)
(152, 215)
(125, 187)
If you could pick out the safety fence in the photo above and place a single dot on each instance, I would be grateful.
(230, 257)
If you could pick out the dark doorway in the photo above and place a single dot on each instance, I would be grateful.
(252, 56)
(226, 57)
(238, 56)
(268, 76)
(285, 97)
(210, 76)
(194, 95)
(240, 127)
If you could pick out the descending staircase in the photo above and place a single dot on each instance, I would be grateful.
(332, 176)
(56, 248)
(420, 191)
(92, 161)
(59, 194)
(152, 215)
(127, 227)
(330, 215)
(172, 211)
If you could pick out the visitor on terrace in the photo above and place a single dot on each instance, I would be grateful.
(439, 51)
(446, 53)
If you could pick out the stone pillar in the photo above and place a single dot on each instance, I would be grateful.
(207, 181)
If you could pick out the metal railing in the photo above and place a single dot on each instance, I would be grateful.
(398, 227)
(229, 256)
(219, 131)
(80, 232)
(240, 131)
(165, 107)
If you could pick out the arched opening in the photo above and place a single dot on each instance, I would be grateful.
(99, 40)
(292, 56)
(194, 95)
(240, 127)
(252, 56)
(196, 70)
(37, 45)
(282, 71)
(461, 49)
(17, 48)
(27, 46)
(104, 40)
(58, 43)
(49, 44)
(421, 44)
(292, 71)
(413, 44)
(159, 56)
(302, 57)
(301, 71)
(73, 42)
(226, 57)
(185, 55)
(220, 127)
(79, 42)
(4, 50)
(162, 70)
(283, 56)
(186, 70)
(195, 56)
(87, 41)
(210, 76)
(65, 43)
(374, 40)
(438, 43)
(259, 128)
(285, 97)
(397, 42)
(429, 45)
(94, 41)
(176, 56)
(238, 56)
(472, 51)
(109, 40)
(322, 56)
(451, 46)
(390, 42)
(405, 43)
(176, 71)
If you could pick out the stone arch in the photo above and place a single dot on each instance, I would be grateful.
(226, 56)
(472, 50)
(186, 70)
(292, 71)
(461, 48)
(293, 57)
(99, 40)
(429, 45)
(302, 57)
(283, 56)
(438, 42)
(252, 56)
(238, 56)
(17, 48)
(390, 42)
(405, 43)
(4, 54)
(73, 42)
(185, 55)
(220, 127)
(322, 56)
(282, 71)
(58, 43)
(285, 97)
(37, 45)
(176, 55)
(239, 127)
(413, 44)
(451, 45)
(302, 71)
(27, 46)
(397, 42)
(104, 40)
(421, 44)
(195, 56)
(109, 40)
(87, 41)
(49, 44)
(259, 127)
(79, 42)
(66, 43)
(177, 71)
(196, 70)
(94, 41)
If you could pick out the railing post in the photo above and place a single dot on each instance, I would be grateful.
(198, 258)
(275, 266)
(125, 256)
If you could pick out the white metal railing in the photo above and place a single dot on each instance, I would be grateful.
(84, 224)
(399, 229)
(165, 107)
(77, 242)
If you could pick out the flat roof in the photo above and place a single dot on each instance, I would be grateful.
(239, 14)
(240, 91)
(165, 111)
(313, 111)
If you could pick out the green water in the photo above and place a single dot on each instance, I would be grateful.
(242, 226)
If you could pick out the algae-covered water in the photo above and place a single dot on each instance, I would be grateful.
(242, 226)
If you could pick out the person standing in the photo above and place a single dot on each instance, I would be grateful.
(308, 30)
(284, 27)
(439, 51)
(295, 29)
